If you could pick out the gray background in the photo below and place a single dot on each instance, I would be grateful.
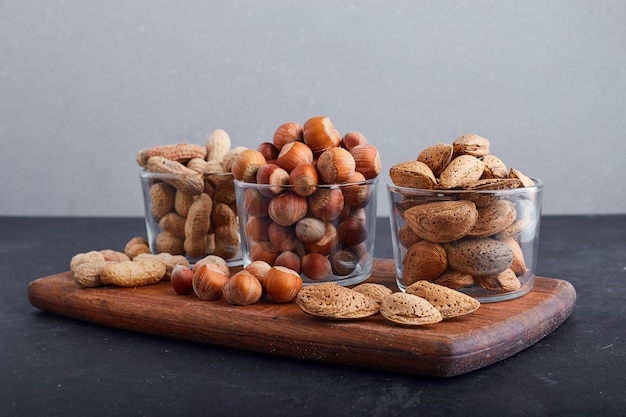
(84, 85)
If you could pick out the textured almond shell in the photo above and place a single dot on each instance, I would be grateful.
(494, 218)
(424, 260)
(479, 257)
(437, 157)
(409, 309)
(442, 221)
(449, 302)
(461, 172)
(331, 300)
(375, 291)
(413, 174)
(504, 281)
(471, 144)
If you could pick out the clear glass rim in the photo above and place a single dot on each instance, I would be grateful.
(149, 174)
(256, 186)
(438, 192)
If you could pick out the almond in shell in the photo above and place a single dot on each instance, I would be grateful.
(494, 218)
(442, 221)
(331, 300)
(518, 265)
(479, 257)
(424, 260)
(454, 279)
(437, 157)
(376, 291)
(471, 144)
(409, 309)
(413, 174)
(449, 302)
(461, 172)
(494, 167)
(504, 281)
(526, 181)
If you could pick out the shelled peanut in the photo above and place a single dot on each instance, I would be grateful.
(190, 198)
(465, 235)
(306, 210)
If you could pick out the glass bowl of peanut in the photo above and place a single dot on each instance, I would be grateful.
(189, 199)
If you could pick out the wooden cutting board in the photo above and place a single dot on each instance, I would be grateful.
(456, 346)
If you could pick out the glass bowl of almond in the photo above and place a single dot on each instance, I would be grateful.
(460, 218)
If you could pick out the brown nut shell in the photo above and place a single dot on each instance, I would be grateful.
(330, 300)
(409, 309)
(320, 134)
(442, 221)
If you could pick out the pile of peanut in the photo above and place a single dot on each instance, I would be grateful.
(191, 197)
(134, 267)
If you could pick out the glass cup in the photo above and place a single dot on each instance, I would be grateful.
(326, 232)
(483, 243)
(192, 218)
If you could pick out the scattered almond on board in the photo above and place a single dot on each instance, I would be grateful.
(422, 303)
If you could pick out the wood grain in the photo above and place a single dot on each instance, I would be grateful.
(456, 346)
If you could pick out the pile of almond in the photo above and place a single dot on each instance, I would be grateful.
(190, 200)
(460, 226)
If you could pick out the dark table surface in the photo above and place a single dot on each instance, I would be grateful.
(56, 366)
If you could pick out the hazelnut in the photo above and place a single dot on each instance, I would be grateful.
(316, 266)
(304, 179)
(320, 134)
(367, 160)
(282, 284)
(273, 176)
(310, 229)
(283, 238)
(246, 164)
(287, 133)
(257, 228)
(287, 208)
(352, 139)
(326, 203)
(293, 154)
(215, 261)
(288, 259)
(356, 193)
(255, 203)
(343, 262)
(258, 269)
(243, 289)
(335, 165)
(352, 231)
(268, 150)
(208, 282)
(181, 279)
(327, 243)
(263, 251)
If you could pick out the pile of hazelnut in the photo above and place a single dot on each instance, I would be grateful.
(307, 209)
